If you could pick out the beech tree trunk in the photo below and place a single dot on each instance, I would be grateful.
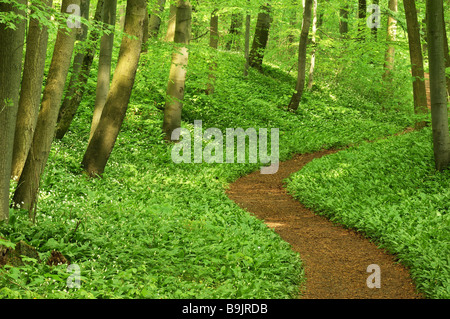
(261, 37)
(247, 44)
(343, 21)
(415, 51)
(390, 38)
(154, 23)
(171, 23)
(438, 91)
(235, 31)
(213, 43)
(177, 76)
(362, 14)
(313, 40)
(27, 188)
(102, 142)
(11, 48)
(297, 96)
(30, 94)
(104, 63)
(69, 109)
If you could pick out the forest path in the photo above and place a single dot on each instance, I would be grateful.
(335, 258)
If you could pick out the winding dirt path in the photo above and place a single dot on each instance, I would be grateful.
(335, 258)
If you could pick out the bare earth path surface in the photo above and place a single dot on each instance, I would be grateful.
(335, 258)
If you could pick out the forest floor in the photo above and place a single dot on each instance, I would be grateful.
(335, 258)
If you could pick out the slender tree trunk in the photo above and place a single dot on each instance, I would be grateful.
(261, 37)
(390, 38)
(26, 193)
(446, 55)
(415, 50)
(247, 44)
(213, 43)
(297, 96)
(104, 63)
(343, 22)
(155, 19)
(235, 31)
(30, 94)
(102, 143)
(439, 112)
(11, 48)
(375, 29)
(313, 54)
(69, 109)
(362, 14)
(177, 76)
(171, 24)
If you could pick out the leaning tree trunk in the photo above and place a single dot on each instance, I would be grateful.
(155, 19)
(104, 63)
(102, 143)
(30, 94)
(297, 96)
(415, 51)
(11, 48)
(69, 109)
(177, 76)
(261, 37)
(390, 38)
(438, 92)
(27, 188)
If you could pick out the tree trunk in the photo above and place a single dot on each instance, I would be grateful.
(171, 24)
(155, 20)
(261, 37)
(102, 143)
(213, 43)
(313, 54)
(177, 76)
(27, 188)
(247, 44)
(104, 63)
(145, 34)
(415, 50)
(343, 22)
(297, 96)
(390, 38)
(30, 94)
(362, 14)
(235, 31)
(69, 109)
(446, 55)
(438, 95)
(11, 48)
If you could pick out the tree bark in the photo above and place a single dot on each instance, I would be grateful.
(415, 50)
(313, 42)
(27, 188)
(69, 109)
(213, 44)
(247, 44)
(171, 24)
(11, 48)
(261, 37)
(362, 14)
(30, 94)
(297, 96)
(155, 20)
(343, 21)
(438, 95)
(102, 143)
(104, 63)
(390, 38)
(177, 76)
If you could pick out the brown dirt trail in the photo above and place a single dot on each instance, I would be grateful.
(335, 258)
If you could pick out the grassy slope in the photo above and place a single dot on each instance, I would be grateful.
(154, 229)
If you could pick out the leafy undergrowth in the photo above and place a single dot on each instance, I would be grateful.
(390, 191)
(151, 228)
